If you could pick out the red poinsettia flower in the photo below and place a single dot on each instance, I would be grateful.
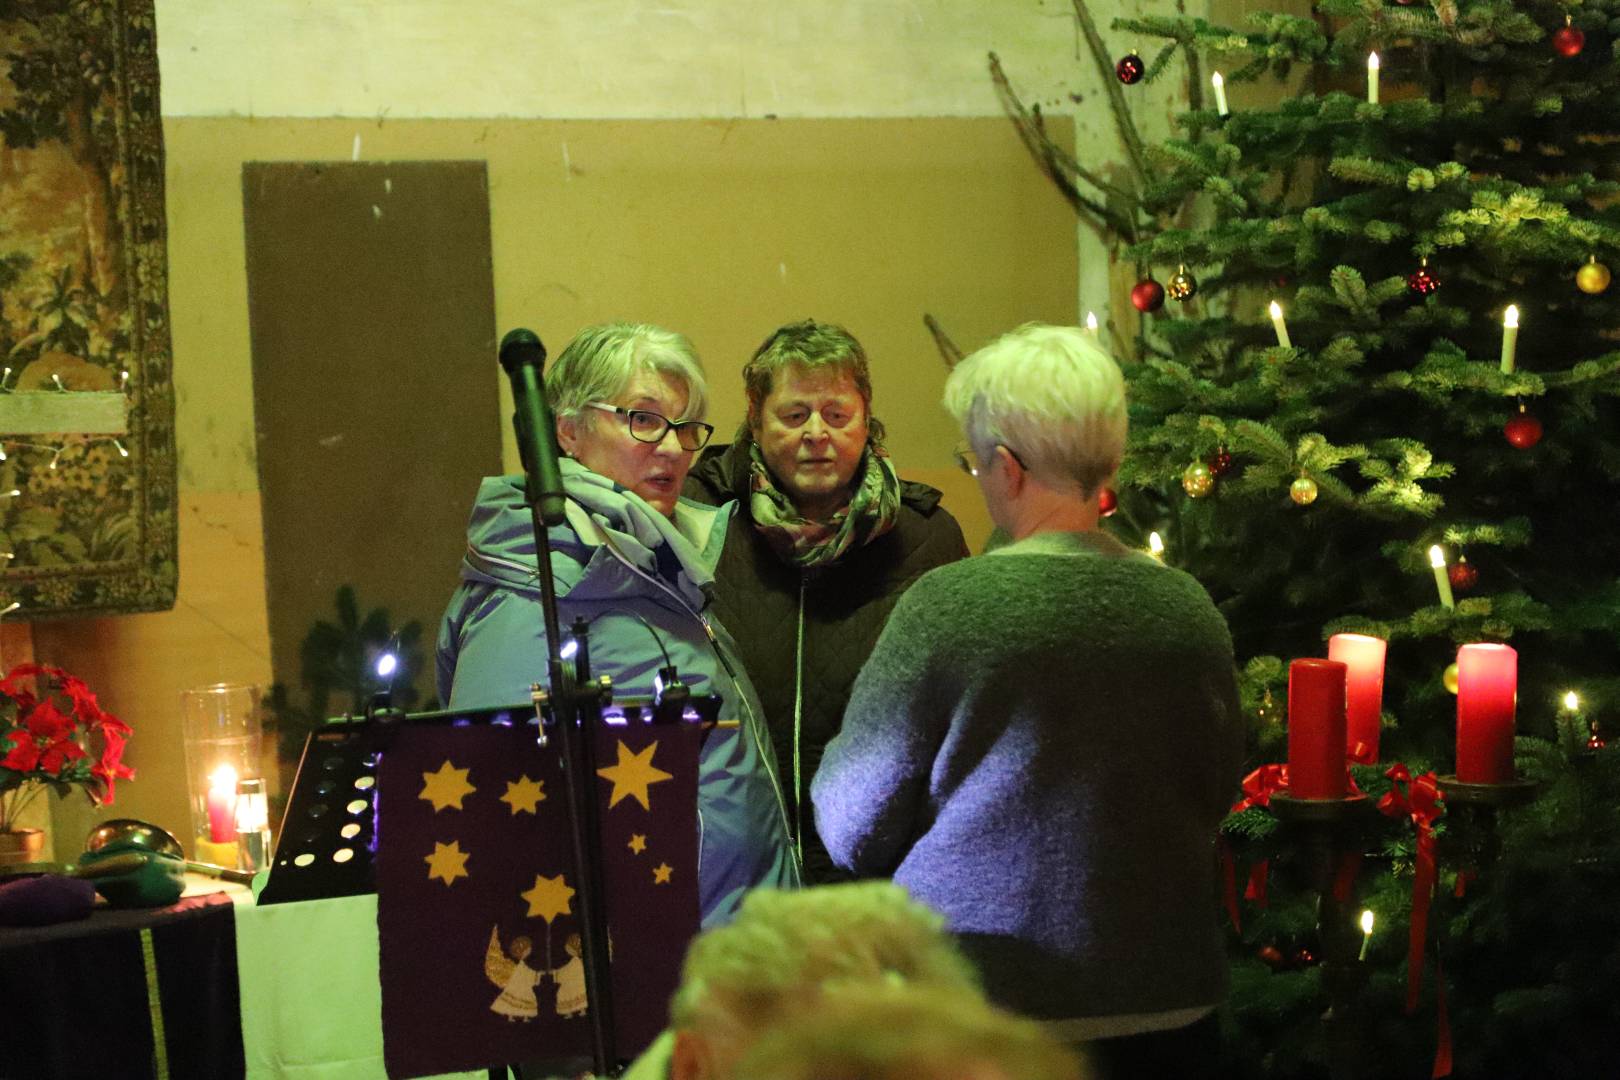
(24, 754)
(48, 721)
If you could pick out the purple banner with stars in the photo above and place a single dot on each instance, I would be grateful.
(477, 914)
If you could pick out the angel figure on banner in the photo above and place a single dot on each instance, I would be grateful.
(570, 980)
(514, 976)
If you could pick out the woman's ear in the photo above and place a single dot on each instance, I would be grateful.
(568, 434)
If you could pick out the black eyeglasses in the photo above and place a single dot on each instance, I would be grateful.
(968, 460)
(650, 427)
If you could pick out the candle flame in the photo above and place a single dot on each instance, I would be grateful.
(1510, 317)
(1276, 310)
(1572, 700)
(1217, 80)
(1437, 556)
(1091, 321)
(1367, 921)
(223, 779)
(1372, 61)
(1155, 543)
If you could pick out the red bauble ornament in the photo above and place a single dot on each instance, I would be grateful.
(1148, 295)
(1271, 955)
(1596, 742)
(1130, 69)
(1107, 502)
(1463, 574)
(1422, 281)
(1220, 462)
(1304, 957)
(1523, 431)
(1568, 41)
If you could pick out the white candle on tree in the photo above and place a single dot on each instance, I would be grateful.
(1280, 326)
(1510, 338)
(1442, 582)
(1219, 84)
(1091, 324)
(1372, 78)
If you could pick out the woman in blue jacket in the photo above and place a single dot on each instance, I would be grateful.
(629, 401)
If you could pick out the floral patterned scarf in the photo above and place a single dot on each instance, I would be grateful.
(870, 512)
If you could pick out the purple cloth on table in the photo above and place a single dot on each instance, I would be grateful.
(41, 901)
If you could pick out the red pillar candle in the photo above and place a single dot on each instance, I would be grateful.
(222, 805)
(1316, 729)
(1487, 692)
(1363, 691)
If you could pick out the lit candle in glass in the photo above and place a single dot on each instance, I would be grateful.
(1091, 324)
(1510, 337)
(1316, 728)
(1442, 579)
(1219, 84)
(1487, 688)
(222, 805)
(1363, 658)
(1280, 326)
(1372, 78)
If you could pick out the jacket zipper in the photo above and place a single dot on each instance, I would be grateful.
(798, 716)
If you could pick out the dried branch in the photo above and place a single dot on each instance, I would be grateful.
(947, 348)
(1058, 164)
(1134, 148)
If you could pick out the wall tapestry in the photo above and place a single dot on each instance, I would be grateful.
(87, 465)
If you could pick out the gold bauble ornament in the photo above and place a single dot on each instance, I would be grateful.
(1592, 278)
(1303, 491)
(1183, 286)
(1197, 480)
(1448, 678)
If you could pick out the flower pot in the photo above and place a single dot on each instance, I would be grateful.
(21, 846)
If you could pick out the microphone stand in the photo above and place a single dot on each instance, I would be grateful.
(576, 708)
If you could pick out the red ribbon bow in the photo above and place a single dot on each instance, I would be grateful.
(1418, 798)
(1260, 785)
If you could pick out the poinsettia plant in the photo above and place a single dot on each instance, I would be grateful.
(54, 734)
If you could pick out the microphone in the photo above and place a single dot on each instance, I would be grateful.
(522, 356)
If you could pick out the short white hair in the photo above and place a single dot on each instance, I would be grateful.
(601, 360)
(785, 948)
(1052, 396)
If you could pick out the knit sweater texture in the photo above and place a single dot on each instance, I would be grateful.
(1041, 747)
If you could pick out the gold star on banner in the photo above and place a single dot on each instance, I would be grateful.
(661, 874)
(524, 794)
(446, 788)
(633, 774)
(447, 862)
(637, 844)
(549, 898)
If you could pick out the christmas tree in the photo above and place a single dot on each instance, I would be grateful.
(1387, 335)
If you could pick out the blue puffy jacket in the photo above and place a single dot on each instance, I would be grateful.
(617, 558)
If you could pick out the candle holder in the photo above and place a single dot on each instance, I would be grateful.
(223, 731)
(1494, 796)
(252, 826)
(1318, 811)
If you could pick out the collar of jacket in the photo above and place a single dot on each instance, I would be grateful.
(724, 473)
(612, 541)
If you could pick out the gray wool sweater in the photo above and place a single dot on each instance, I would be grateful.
(1040, 748)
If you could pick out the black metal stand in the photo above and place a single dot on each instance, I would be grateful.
(1329, 828)
(575, 703)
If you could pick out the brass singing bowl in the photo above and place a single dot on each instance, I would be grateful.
(135, 834)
